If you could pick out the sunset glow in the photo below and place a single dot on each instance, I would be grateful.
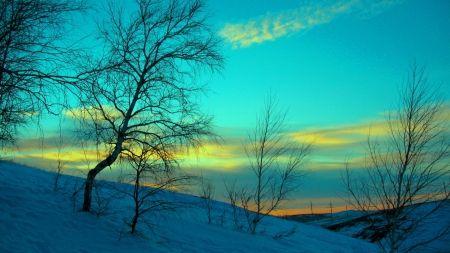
(336, 65)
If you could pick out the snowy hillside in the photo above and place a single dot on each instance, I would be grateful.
(34, 218)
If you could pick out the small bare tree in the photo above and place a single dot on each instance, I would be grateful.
(104, 197)
(275, 160)
(151, 180)
(206, 192)
(61, 161)
(239, 200)
(145, 83)
(285, 233)
(406, 175)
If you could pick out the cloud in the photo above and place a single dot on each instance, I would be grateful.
(228, 156)
(277, 25)
(93, 113)
(333, 144)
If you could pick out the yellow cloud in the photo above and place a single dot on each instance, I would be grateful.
(276, 25)
(92, 113)
(334, 143)
(227, 157)
(340, 135)
(331, 146)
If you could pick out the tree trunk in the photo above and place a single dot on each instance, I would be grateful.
(103, 164)
(92, 173)
(255, 224)
(134, 222)
(136, 201)
(88, 189)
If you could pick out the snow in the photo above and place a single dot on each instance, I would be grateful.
(35, 218)
(356, 224)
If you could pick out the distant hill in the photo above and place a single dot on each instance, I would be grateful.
(358, 225)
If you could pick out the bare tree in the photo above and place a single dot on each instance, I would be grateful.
(104, 197)
(406, 174)
(245, 201)
(61, 161)
(275, 160)
(206, 192)
(34, 63)
(146, 82)
(153, 177)
(239, 200)
(285, 233)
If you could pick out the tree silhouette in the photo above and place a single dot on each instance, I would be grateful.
(407, 170)
(145, 88)
(275, 161)
(34, 60)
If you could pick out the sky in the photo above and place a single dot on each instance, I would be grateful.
(336, 65)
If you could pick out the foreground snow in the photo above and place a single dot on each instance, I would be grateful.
(34, 218)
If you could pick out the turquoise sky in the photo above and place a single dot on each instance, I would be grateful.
(337, 62)
(336, 65)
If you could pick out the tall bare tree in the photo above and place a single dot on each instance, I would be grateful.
(34, 53)
(275, 160)
(153, 58)
(407, 169)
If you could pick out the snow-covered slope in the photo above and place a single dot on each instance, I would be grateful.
(34, 218)
(356, 224)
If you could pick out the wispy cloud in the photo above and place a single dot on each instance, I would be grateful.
(333, 144)
(277, 25)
